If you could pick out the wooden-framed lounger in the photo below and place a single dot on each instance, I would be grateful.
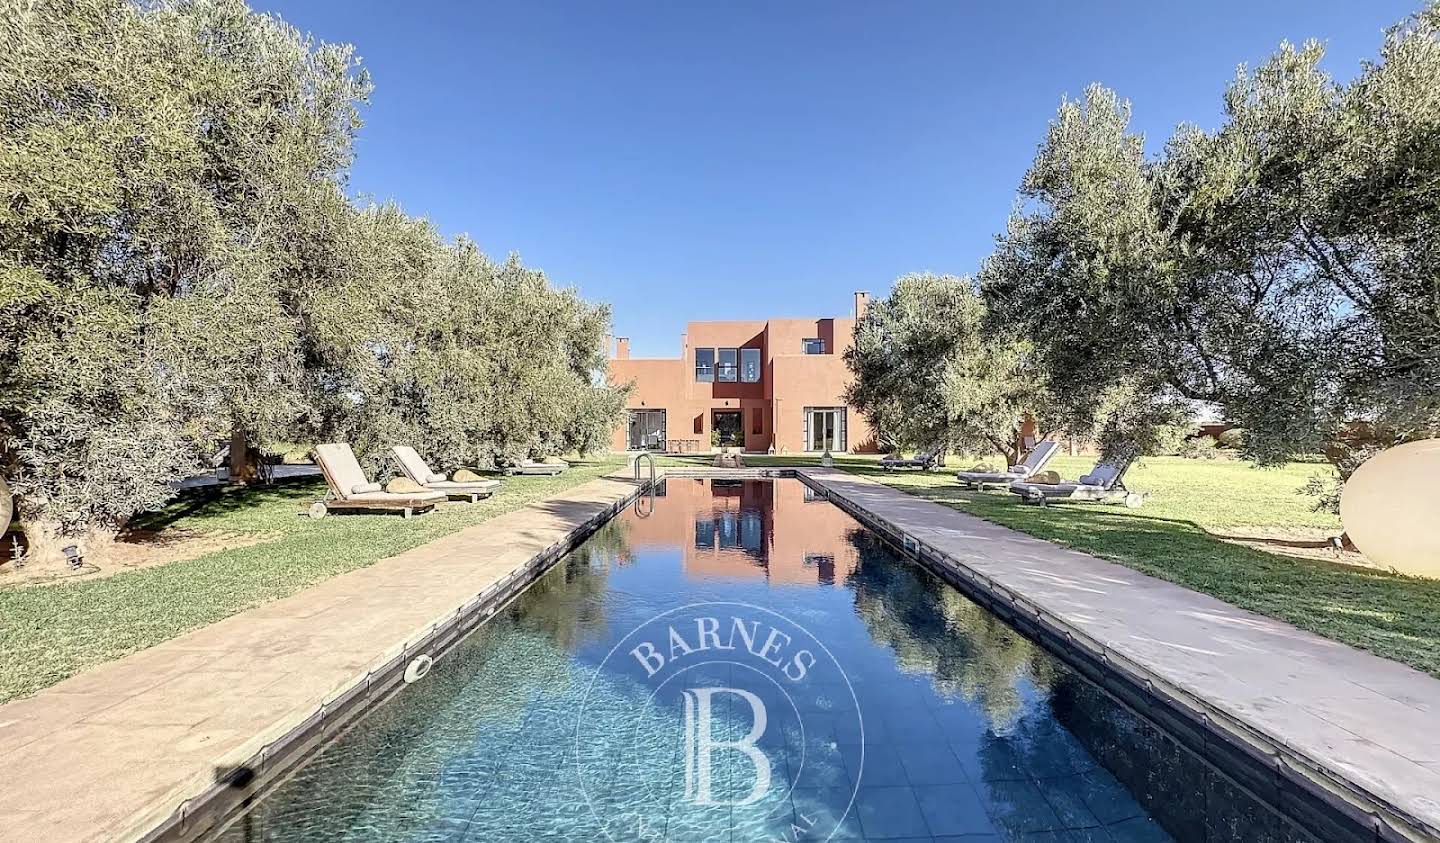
(532, 467)
(415, 468)
(1104, 484)
(351, 491)
(924, 460)
(1035, 461)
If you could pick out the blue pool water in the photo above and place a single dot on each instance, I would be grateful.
(745, 662)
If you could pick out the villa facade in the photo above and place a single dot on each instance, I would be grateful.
(755, 385)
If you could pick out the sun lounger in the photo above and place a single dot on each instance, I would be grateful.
(1034, 461)
(350, 490)
(415, 467)
(531, 467)
(1104, 483)
(925, 460)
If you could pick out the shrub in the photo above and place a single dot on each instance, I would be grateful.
(1232, 439)
(1200, 448)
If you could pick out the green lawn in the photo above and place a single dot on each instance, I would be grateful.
(1391, 615)
(50, 632)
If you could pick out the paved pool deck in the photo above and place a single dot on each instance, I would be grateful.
(112, 752)
(1367, 720)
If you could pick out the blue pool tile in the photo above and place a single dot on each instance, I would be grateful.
(1107, 799)
(953, 809)
(913, 724)
(990, 761)
(1017, 807)
(880, 765)
(822, 809)
(887, 813)
(931, 763)
(1066, 797)
(1139, 830)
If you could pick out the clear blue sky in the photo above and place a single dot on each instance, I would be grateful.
(728, 160)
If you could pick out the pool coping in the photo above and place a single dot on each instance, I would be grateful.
(229, 797)
(1322, 800)
(1244, 752)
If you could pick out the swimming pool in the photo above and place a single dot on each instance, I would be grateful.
(744, 661)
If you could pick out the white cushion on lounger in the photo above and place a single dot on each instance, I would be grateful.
(436, 477)
(364, 488)
(340, 467)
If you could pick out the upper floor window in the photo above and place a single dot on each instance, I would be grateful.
(704, 365)
(727, 367)
(813, 346)
(750, 365)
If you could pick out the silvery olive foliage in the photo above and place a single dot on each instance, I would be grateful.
(927, 371)
(179, 258)
(1285, 266)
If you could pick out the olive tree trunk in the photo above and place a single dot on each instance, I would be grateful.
(244, 468)
(7, 506)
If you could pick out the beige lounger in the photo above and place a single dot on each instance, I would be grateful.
(1034, 461)
(418, 470)
(532, 467)
(1103, 484)
(350, 490)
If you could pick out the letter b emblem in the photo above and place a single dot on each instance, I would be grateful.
(700, 745)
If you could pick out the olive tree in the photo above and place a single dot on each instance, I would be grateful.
(1283, 266)
(927, 371)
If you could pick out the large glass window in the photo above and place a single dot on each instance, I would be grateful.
(814, 345)
(750, 365)
(728, 367)
(704, 365)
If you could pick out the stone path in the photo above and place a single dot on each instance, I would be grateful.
(110, 753)
(1373, 721)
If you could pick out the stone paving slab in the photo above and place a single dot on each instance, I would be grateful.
(1371, 720)
(110, 753)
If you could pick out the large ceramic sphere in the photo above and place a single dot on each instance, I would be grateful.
(1391, 508)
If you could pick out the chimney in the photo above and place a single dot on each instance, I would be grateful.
(862, 300)
(622, 348)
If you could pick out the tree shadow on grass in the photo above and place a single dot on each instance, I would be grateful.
(219, 501)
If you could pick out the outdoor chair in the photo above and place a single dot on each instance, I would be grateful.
(924, 460)
(1105, 483)
(350, 490)
(415, 468)
(529, 466)
(1035, 461)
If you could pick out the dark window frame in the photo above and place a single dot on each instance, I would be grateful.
(727, 372)
(705, 372)
(805, 345)
(744, 370)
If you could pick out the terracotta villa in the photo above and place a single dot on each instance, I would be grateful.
(777, 383)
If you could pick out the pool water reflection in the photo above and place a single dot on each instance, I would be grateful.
(921, 716)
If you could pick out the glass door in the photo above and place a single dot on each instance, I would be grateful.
(824, 431)
(728, 429)
(647, 430)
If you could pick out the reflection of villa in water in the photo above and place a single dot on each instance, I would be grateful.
(729, 531)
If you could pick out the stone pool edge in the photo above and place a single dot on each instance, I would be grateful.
(1240, 750)
(233, 793)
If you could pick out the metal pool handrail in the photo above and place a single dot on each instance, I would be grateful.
(649, 456)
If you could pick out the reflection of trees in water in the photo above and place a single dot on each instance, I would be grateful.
(440, 742)
(936, 631)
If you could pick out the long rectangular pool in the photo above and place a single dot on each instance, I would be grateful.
(741, 660)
